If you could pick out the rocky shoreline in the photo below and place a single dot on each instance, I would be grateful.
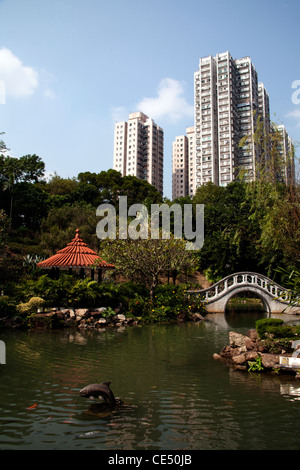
(246, 351)
(101, 317)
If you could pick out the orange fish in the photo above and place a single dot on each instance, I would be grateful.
(32, 406)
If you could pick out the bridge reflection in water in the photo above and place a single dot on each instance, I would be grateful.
(275, 298)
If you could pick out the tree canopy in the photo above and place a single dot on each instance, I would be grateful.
(248, 225)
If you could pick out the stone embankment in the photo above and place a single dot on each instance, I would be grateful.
(86, 318)
(244, 350)
(80, 318)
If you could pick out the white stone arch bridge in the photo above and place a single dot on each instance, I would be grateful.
(274, 297)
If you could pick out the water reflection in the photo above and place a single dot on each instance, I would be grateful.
(244, 312)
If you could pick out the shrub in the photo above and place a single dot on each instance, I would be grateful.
(7, 308)
(285, 331)
(139, 306)
(264, 324)
(168, 303)
(31, 306)
(276, 346)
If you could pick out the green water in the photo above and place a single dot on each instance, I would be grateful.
(175, 395)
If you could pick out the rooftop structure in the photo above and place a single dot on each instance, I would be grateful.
(76, 256)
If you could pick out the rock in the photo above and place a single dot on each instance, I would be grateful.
(269, 360)
(226, 352)
(252, 334)
(217, 356)
(96, 314)
(249, 343)
(100, 309)
(72, 313)
(121, 317)
(239, 359)
(197, 317)
(236, 339)
(251, 355)
(81, 312)
(238, 351)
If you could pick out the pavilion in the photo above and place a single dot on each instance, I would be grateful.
(76, 256)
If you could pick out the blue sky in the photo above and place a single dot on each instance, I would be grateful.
(71, 68)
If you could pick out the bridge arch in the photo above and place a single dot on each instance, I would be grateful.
(274, 297)
(252, 290)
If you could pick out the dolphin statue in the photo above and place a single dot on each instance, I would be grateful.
(100, 390)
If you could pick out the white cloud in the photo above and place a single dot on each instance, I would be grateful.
(170, 102)
(20, 80)
(296, 115)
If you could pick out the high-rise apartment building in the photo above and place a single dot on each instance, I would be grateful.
(139, 149)
(228, 105)
(226, 96)
(286, 168)
(183, 164)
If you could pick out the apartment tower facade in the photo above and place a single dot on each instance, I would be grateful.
(228, 105)
(139, 149)
(183, 164)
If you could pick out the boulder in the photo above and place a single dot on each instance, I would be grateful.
(121, 317)
(239, 359)
(269, 360)
(236, 339)
(252, 334)
(81, 312)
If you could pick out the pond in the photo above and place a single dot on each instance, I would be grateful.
(175, 395)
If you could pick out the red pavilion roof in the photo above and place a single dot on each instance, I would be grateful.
(75, 255)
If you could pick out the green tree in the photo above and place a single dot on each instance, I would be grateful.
(3, 227)
(143, 261)
(27, 169)
(59, 227)
(3, 147)
(230, 233)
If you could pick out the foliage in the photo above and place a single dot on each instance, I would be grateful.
(291, 280)
(277, 345)
(59, 227)
(3, 227)
(169, 303)
(256, 365)
(275, 334)
(7, 308)
(263, 324)
(252, 226)
(31, 306)
(70, 291)
(29, 168)
(230, 235)
(142, 261)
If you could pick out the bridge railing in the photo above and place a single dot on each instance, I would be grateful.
(233, 281)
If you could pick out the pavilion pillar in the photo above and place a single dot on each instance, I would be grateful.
(92, 274)
(99, 275)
